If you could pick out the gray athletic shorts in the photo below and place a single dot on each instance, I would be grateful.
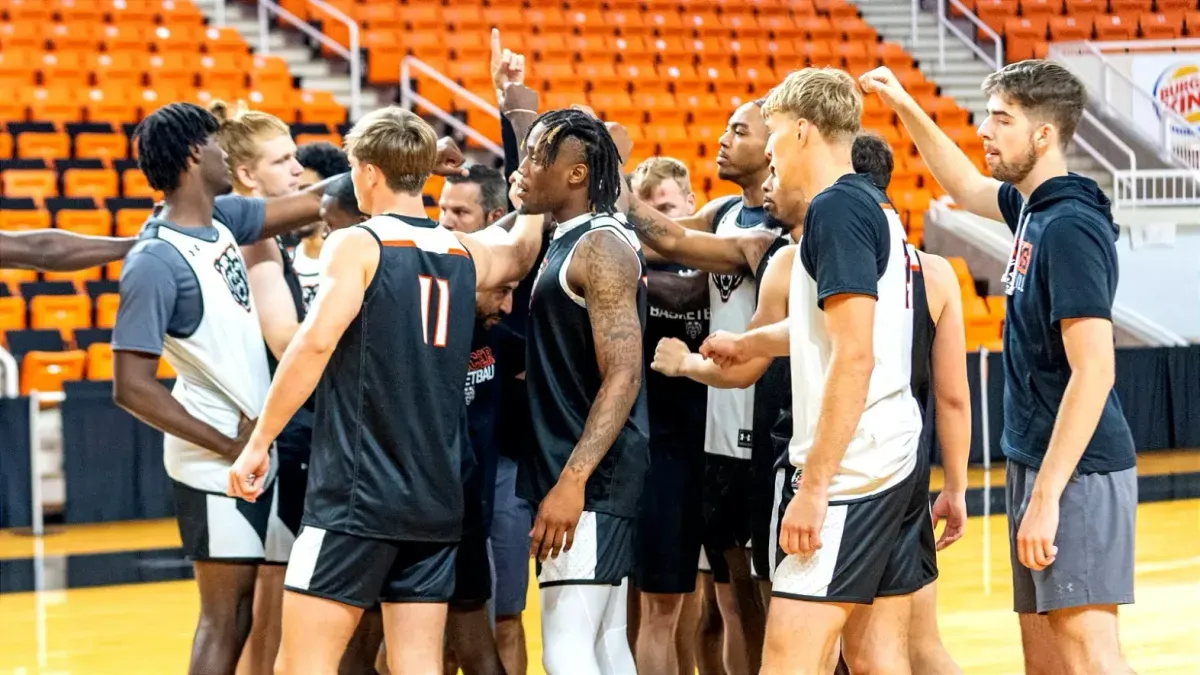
(1094, 564)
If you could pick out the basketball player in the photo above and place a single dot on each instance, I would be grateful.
(584, 373)
(935, 302)
(856, 423)
(390, 533)
(184, 295)
(320, 160)
(59, 251)
(667, 532)
(728, 491)
(1072, 481)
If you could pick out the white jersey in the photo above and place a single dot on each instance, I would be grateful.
(308, 271)
(883, 450)
(732, 298)
(222, 366)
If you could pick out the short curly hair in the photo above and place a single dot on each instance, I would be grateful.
(165, 141)
(324, 158)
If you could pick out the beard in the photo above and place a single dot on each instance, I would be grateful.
(1017, 170)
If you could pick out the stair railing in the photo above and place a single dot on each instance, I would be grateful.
(409, 97)
(353, 55)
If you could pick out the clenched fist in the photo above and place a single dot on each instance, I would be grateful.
(883, 81)
(669, 356)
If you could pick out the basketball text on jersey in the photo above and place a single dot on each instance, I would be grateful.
(695, 319)
(481, 369)
(233, 270)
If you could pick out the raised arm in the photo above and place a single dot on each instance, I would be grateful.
(688, 241)
(348, 259)
(949, 165)
(607, 272)
(272, 297)
(59, 251)
(952, 399)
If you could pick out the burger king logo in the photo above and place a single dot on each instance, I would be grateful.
(1178, 88)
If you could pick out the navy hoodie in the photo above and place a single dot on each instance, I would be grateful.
(1063, 266)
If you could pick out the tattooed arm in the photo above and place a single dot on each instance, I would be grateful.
(605, 271)
(688, 241)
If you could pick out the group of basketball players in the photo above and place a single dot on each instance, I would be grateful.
(764, 374)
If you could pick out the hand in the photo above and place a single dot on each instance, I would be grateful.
(556, 519)
(248, 475)
(800, 532)
(723, 348)
(450, 159)
(507, 67)
(514, 193)
(1035, 538)
(244, 431)
(620, 136)
(953, 507)
(669, 356)
(883, 81)
(518, 97)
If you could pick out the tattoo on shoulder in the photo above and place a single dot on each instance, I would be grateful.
(612, 273)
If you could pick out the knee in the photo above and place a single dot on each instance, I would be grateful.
(567, 654)
(882, 658)
(661, 612)
(509, 630)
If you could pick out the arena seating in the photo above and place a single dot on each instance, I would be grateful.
(1028, 26)
(83, 72)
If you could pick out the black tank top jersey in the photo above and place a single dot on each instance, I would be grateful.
(391, 426)
(295, 441)
(482, 392)
(773, 392)
(677, 405)
(563, 378)
(922, 353)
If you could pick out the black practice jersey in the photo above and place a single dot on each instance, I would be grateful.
(922, 350)
(390, 433)
(563, 378)
(772, 393)
(295, 441)
(676, 404)
(482, 393)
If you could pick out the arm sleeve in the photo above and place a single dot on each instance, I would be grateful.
(242, 215)
(1080, 266)
(843, 247)
(148, 293)
(512, 150)
(1010, 202)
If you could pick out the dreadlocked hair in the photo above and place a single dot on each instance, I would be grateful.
(165, 141)
(599, 152)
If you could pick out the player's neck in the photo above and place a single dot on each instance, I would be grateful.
(189, 205)
(752, 192)
(796, 232)
(1047, 167)
(825, 167)
(571, 210)
(399, 204)
(311, 246)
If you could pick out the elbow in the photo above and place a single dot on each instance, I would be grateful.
(1099, 376)
(124, 395)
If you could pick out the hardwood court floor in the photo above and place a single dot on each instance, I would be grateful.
(146, 628)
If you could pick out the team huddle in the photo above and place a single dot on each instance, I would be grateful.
(379, 418)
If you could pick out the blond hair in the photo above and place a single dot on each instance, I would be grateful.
(653, 171)
(397, 141)
(242, 130)
(826, 97)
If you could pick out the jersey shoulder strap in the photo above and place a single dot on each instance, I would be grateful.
(723, 209)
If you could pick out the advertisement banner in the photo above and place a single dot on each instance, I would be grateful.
(1174, 81)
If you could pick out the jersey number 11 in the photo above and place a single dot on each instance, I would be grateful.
(443, 308)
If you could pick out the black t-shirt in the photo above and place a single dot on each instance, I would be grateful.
(1064, 267)
(846, 243)
(677, 405)
(482, 393)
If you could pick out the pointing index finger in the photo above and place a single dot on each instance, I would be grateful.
(495, 45)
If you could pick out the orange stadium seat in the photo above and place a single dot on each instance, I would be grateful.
(12, 313)
(6, 146)
(78, 277)
(112, 105)
(96, 183)
(1114, 27)
(55, 104)
(99, 361)
(62, 312)
(106, 308)
(129, 221)
(46, 371)
(12, 220)
(43, 145)
(14, 278)
(133, 184)
(165, 371)
(96, 223)
(91, 145)
(37, 184)
(112, 272)
(1041, 8)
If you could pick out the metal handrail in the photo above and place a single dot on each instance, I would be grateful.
(37, 516)
(995, 61)
(353, 55)
(409, 97)
(219, 13)
(1157, 187)
(8, 368)
(1186, 154)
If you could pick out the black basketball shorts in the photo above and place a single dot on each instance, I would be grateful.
(218, 528)
(868, 548)
(726, 509)
(473, 570)
(602, 553)
(361, 572)
(909, 574)
(668, 529)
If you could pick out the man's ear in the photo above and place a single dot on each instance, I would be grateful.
(577, 174)
(493, 215)
(242, 174)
